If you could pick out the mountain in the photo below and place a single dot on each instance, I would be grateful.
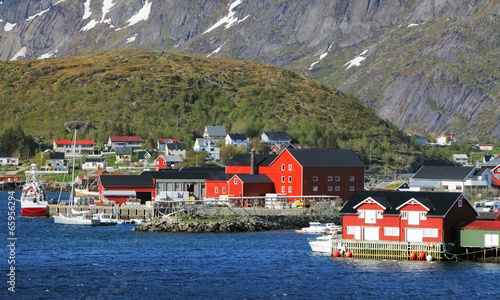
(159, 95)
(428, 66)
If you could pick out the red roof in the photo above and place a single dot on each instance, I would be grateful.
(116, 138)
(484, 225)
(163, 141)
(70, 142)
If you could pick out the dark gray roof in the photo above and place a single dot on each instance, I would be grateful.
(123, 150)
(126, 181)
(7, 155)
(277, 136)
(439, 202)
(326, 157)
(185, 173)
(214, 131)
(244, 160)
(443, 172)
(176, 146)
(56, 155)
(237, 136)
(258, 178)
(95, 160)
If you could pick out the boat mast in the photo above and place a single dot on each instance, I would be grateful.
(73, 174)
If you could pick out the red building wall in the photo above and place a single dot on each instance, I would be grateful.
(235, 186)
(456, 215)
(238, 169)
(341, 181)
(285, 168)
(211, 185)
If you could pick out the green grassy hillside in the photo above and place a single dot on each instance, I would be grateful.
(170, 95)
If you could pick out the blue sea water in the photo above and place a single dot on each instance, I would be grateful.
(70, 262)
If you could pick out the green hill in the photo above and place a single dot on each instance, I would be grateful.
(170, 95)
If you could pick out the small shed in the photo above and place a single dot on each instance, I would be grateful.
(480, 233)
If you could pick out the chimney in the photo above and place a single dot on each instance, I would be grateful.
(252, 162)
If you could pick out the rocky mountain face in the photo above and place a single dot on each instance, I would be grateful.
(429, 66)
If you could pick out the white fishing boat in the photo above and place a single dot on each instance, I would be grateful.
(85, 192)
(34, 200)
(105, 219)
(74, 217)
(314, 228)
(326, 243)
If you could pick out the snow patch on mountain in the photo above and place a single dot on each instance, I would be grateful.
(8, 26)
(216, 50)
(230, 19)
(47, 55)
(86, 10)
(142, 15)
(320, 58)
(131, 39)
(356, 62)
(21, 53)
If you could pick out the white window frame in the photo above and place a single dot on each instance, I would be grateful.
(404, 215)
(216, 190)
(430, 232)
(236, 181)
(289, 179)
(290, 190)
(330, 188)
(413, 218)
(282, 178)
(351, 178)
(490, 240)
(337, 188)
(283, 189)
(361, 214)
(351, 188)
(330, 178)
(289, 167)
(350, 230)
(459, 202)
(223, 190)
(315, 178)
(282, 167)
(391, 231)
(423, 215)
(315, 188)
(380, 214)
(337, 178)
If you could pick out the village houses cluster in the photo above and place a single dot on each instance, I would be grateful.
(425, 208)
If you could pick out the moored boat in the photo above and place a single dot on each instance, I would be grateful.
(34, 200)
(326, 243)
(85, 192)
(315, 228)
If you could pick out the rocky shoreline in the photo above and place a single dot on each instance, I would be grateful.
(240, 224)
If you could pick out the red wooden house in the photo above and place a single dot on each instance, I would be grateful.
(295, 172)
(120, 188)
(405, 216)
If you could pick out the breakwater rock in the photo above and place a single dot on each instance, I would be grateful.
(241, 224)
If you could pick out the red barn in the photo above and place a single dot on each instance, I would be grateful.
(120, 188)
(405, 216)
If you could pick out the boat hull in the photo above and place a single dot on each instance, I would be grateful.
(34, 211)
(76, 220)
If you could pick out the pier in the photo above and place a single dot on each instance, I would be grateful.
(392, 250)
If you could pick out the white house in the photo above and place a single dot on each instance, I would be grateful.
(446, 140)
(133, 142)
(207, 145)
(82, 147)
(237, 140)
(271, 138)
(95, 163)
(450, 179)
(176, 149)
(486, 147)
(162, 144)
(57, 161)
(460, 159)
(7, 159)
(215, 133)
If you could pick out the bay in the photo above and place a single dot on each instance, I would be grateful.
(70, 262)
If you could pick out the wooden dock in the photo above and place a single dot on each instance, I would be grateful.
(125, 212)
(392, 250)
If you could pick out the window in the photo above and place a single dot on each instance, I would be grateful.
(350, 230)
(361, 214)
(423, 215)
(290, 179)
(282, 178)
(236, 181)
(380, 214)
(404, 215)
(315, 178)
(289, 189)
(430, 232)
(283, 189)
(460, 203)
(289, 167)
(315, 188)
(216, 190)
(337, 188)
(283, 167)
(337, 178)
(351, 188)
(391, 231)
(413, 218)
(351, 178)
(330, 188)
(223, 190)
(330, 178)
(490, 240)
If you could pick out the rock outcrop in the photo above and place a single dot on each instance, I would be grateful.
(242, 224)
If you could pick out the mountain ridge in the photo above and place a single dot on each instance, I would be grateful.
(432, 60)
